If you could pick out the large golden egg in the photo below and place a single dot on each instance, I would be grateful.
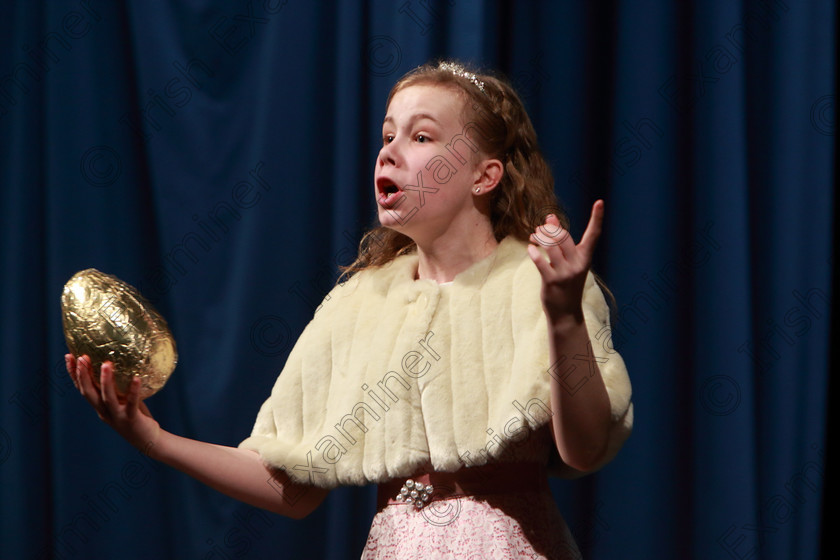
(109, 320)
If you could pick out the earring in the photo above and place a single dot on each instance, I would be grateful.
(478, 189)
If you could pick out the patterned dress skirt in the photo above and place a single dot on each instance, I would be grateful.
(491, 527)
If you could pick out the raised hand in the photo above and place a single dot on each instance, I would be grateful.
(564, 271)
(128, 415)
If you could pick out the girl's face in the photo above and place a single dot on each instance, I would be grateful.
(427, 169)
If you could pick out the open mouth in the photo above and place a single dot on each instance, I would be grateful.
(389, 192)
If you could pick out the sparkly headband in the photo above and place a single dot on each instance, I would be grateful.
(459, 70)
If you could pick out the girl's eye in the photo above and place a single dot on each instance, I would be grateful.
(421, 138)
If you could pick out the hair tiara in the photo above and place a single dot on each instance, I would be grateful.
(460, 71)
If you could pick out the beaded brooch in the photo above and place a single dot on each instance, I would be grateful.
(415, 492)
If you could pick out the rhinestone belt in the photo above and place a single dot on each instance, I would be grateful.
(496, 478)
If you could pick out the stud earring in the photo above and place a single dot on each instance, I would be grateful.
(478, 189)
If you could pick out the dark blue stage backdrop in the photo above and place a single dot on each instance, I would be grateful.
(219, 156)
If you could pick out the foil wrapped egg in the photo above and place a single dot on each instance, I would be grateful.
(109, 320)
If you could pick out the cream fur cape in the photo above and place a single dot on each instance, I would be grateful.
(394, 373)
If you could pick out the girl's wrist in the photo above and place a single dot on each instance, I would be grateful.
(149, 445)
(561, 323)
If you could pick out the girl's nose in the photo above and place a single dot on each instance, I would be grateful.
(388, 155)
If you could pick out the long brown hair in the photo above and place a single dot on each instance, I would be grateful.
(502, 130)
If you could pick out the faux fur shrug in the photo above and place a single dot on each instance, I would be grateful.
(394, 373)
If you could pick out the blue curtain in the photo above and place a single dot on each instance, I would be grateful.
(219, 156)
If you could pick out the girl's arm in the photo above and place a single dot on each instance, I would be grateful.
(239, 473)
(581, 420)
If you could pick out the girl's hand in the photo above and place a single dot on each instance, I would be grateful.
(239, 473)
(564, 272)
(129, 416)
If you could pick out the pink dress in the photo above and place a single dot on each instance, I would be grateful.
(491, 527)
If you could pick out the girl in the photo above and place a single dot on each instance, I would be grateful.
(455, 364)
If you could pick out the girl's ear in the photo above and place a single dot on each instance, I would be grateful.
(488, 174)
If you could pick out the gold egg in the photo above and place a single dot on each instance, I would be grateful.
(109, 320)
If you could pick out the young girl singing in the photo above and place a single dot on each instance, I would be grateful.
(463, 356)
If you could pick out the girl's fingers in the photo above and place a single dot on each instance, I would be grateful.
(119, 412)
(593, 230)
(542, 265)
(109, 410)
(83, 378)
(106, 385)
(83, 373)
(559, 245)
(70, 364)
(85, 383)
(550, 233)
(556, 240)
(132, 399)
(555, 254)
